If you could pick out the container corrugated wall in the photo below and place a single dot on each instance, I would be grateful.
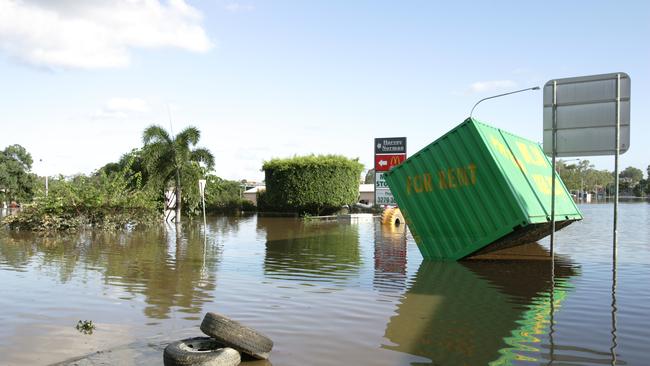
(475, 186)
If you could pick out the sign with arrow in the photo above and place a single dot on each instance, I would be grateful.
(384, 162)
(389, 152)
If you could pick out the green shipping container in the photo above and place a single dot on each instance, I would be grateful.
(477, 189)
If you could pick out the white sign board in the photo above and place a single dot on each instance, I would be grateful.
(202, 187)
(383, 196)
(586, 114)
(380, 182)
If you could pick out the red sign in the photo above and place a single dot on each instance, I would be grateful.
(384, 162)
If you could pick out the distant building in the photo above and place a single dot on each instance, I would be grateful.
(251, 194)
(366, 193)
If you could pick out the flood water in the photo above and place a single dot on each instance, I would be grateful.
(328, 293)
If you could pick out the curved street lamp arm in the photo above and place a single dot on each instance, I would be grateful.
(501, 95)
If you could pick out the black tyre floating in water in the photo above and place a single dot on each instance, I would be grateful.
(235, 335)
(200, 351)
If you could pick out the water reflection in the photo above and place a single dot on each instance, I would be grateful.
(478, 312)
(390, 257)
(169, 268)
(310, 252)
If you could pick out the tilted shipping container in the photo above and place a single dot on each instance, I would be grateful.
(476, 189)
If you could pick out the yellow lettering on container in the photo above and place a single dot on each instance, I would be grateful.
(415, 184)
(427, 183)
(544, 184)
(461, 175)
(472, 170)
(442, 180)
(539, 158)
(451, 178)
(503, 150)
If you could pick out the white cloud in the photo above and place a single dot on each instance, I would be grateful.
(122, 107)
(490, 86)
(96, 33)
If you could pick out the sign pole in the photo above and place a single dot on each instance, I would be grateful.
(618, 143)
(554, 132)
(202, 192)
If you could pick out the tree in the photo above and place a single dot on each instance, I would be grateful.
(167, 158)
(630, 178)
(16, 181)
(131, 164)
(370, 177)
(633, 174)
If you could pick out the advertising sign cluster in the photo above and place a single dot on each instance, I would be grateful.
(389, 152)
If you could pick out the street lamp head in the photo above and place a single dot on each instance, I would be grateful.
(535, 88)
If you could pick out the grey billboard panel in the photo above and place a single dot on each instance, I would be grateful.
(390, 145)
(586, 115)
(601, 140)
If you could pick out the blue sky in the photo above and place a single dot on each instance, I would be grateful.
(264, 79)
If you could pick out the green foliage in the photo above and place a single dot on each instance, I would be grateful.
(16, 181)
(370, 177)
(223, 195)
(85, 326)
(633, 174)
(583, 176)
(310, 184)
(170, 160)
(630, 181)
(101, 201)
(130, 164)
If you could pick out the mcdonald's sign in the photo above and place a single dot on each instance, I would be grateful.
(384, 162)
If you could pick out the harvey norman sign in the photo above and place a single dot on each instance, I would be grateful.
(390, 145)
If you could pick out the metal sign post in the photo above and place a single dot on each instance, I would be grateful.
(583, 116)
(553, 167)
(618, 150)
(202, 191)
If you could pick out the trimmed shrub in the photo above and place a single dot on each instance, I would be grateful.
(315, 185)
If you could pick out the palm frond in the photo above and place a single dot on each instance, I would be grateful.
(155, 133)
(188, 137)
(204, 156)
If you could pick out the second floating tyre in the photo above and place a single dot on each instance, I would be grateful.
(233, 334)
(200, 351)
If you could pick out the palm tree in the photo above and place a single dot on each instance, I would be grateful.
(166, 157)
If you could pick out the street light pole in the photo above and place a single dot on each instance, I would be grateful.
(501, 95)
(46, 178)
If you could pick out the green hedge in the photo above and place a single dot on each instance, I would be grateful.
(315, 185)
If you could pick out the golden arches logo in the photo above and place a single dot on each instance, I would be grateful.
(395, 160)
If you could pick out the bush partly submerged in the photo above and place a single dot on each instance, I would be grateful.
(100, 201)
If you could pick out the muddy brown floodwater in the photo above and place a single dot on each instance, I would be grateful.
(328, 293)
